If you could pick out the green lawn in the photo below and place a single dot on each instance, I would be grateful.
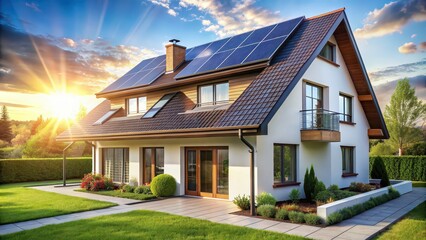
(419, 184)
(18, 203)
(118, 193)
(412, 226)
(145, 225)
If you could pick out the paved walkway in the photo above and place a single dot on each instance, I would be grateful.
(362, 226)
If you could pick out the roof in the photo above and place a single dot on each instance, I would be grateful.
(259, 101)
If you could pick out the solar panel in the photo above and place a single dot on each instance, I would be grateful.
(158, 106)
(245, 48)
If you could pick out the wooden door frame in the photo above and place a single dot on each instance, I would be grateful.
(198, 192)
(142, 162)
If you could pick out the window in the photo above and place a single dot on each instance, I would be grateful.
(116, 164)
(284, 163)
(313, 97)
(347, 160)
(159, 105)
(213, 94)
(328, 52)
(136, 105)
(345, 108)
(153, 163)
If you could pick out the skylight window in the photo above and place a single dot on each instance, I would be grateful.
(106, 117)
(159, 105)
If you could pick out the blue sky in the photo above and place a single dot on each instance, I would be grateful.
(97, 41)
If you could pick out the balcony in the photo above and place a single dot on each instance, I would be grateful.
(319, 125)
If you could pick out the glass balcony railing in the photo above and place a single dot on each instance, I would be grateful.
(319, 119)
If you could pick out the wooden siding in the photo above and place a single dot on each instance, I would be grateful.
(236, 88)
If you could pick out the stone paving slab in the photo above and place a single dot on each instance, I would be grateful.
(362, 226)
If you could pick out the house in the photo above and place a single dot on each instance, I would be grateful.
(282, 98)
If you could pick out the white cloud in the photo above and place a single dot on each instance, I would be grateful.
(407, 48)
(233, 17)
(172, 12)
(69, 42)
(206, 22)
(165, 4)
(414, 35)
(392, 18)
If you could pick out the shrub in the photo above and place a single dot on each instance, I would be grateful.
(143, 190)
(360, 187)
(96, 182)
(369, 204)
(282, 214)
(42, 169)
(163, 185)
(334, 218)
(296, 217)
(341, 194)
(347, 213)
(319, 187)
(417, 149)
(265, 198)
(378, 171)
(309, 183)
(312, 219)
(292, 207)
(294, 195)
(242, 202)
(393, 193)
(333, 187)
(128, 188)
(267, 210)
(325, 196)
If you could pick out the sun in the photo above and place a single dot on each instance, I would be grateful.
(64, 105)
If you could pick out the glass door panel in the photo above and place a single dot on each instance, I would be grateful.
(191, 170)
(206, 170)
(222, 171)
(147, 165)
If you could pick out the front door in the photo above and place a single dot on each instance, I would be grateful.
(207, 172)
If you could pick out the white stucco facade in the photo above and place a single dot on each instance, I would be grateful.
(284, 128)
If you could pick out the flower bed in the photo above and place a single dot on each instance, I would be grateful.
(327, 209)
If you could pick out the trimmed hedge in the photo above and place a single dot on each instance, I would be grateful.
(404, 168)
(27, 170)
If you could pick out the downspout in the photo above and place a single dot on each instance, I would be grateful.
(251, 151)
(64, 164)
(94, 155)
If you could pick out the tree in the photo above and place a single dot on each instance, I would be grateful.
(378, 171)
(5, 127)
(402, 114)
(36, 124)
(381, 148)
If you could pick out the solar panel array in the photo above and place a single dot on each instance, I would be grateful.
(250, 47)
(254, 46)
(144, 73)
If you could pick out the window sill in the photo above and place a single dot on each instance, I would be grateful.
(345, 175)
(326, 60)
(288, 184)
(347, 123)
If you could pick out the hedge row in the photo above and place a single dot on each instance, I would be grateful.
(25, 170)
(404, 168)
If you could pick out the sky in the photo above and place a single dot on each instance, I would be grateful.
(57, 50)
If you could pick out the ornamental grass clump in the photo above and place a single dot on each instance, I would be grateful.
(294, 195)
(282, 214)
(296, 217)
(242, 202)
(265, 198)
(312, 219)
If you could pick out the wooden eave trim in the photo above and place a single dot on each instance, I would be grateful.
(184, 81)
(178, 133)
(375, 132)
(364, 98)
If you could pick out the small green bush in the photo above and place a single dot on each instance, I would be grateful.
(325, 196)
(265, 198)
(341, 194)
(319, 187)
(393, 193)
(369, 204)
(333, 187)
(282, 214)
(347, 213)
(128, 188)
(309, 183)
(267, 210)
(143, 190)
(360, 187)
(379, 171)
(295, 195)
(334, 218)
(163, 185)
(313, 219)
(242, 202)
(357, 209)
(296, 217)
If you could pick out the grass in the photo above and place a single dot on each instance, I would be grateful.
(145, 225)
(419, 184)
(18, 203)
(412, 226)
(118, 193)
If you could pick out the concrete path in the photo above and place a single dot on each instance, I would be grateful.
(362, 226)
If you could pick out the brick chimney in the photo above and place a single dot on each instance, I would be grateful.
(175, 55)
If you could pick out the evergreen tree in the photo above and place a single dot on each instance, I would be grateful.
(5, 127)
(402, 114)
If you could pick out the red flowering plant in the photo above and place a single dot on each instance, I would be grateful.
(96, 182)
